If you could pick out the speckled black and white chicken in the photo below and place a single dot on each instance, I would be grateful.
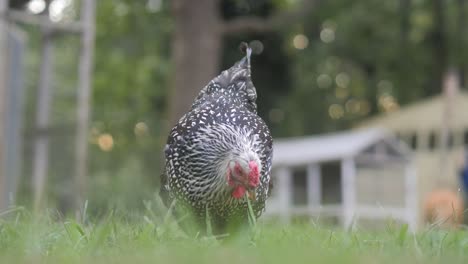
(219, 154)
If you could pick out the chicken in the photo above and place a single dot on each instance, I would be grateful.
(444, 208)
(219, 154)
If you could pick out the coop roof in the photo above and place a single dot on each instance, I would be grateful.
(331, 147)
(424, 115)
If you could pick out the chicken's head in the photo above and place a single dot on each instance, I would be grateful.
(243, 176)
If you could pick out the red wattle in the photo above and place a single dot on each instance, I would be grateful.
(254, 175)
(238, 192)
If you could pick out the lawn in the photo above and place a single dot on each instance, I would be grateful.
(148, 238)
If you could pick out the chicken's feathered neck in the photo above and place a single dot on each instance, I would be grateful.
(234, 83)
(238, 146)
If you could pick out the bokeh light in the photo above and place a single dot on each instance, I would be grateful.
(141, 129)
(336, 111)
(342, 79)
(324, 81)
(106, 142)
(384, 86)
(36, 6)
(388, 103)
(327, 35)
(257, 46)
(154, 5)
(300, 41)
(121, 9)
(57, 9)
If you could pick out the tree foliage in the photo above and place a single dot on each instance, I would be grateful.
(322, 70)
(342, 62)
(367, 57)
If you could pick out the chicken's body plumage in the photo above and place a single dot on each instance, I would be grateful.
(222, 126)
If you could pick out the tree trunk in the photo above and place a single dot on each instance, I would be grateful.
(195, 52)
(405, 6)
(439, 46)
(461, 41)
(3, 102)
(196, 44)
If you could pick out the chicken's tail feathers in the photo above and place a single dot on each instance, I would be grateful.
(239, 75)
(247, 50)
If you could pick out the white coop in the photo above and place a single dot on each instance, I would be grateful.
(357, 176)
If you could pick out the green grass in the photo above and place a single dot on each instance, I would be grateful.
(153, 238)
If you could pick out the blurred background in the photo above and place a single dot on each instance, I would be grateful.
(90, 89)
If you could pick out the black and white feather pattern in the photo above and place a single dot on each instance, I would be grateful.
(221, 124)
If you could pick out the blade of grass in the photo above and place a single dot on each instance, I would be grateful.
(402, 234)
(251, 215)
(209, 229)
